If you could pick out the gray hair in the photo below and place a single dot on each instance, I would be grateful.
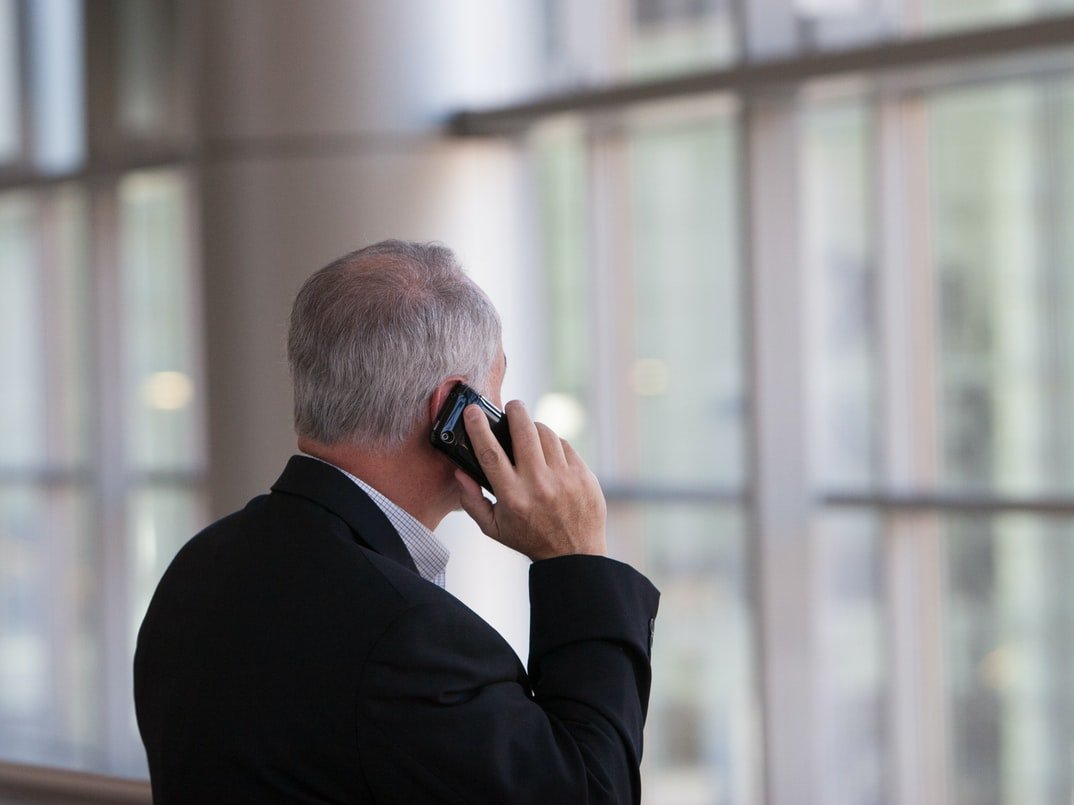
(375, 332)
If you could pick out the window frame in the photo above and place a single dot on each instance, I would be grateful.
(785, 501)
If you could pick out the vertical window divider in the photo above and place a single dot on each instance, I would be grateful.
(784, 576)
(110, 458)
(59, 541)
(913, 543)
(913, 586)
(610, 260)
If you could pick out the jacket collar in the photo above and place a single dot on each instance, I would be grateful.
(329, 488)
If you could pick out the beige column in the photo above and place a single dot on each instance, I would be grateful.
(322, 132)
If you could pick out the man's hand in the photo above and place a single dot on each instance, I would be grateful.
(547, 504)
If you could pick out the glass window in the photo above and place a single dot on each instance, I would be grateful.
(50, 647)
(147, 93)
(162, 395)
(604, 41)
(158, 311)
(1003, 289)
(681, 387)
(57, 74)
(58, 560)
(837, 216)
(102, 453)
(668, 36)
(1009, 632)
(10, 82)
(22, 354)
(646, 335)
(704, 719)
(933, 230)
(946, 15)
(852, 659)
(569, 395)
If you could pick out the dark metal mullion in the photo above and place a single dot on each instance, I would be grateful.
(105, 170)
(645, 493)
(25, 104)
(945, 503)
(1037, 35)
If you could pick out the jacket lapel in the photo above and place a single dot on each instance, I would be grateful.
(329, 488)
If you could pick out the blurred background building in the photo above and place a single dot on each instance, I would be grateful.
(797, 277)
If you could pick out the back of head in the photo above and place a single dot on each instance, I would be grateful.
(375, 332)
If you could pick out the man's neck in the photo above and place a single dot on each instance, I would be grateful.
(412, 477)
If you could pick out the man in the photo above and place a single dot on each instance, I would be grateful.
(303, 649)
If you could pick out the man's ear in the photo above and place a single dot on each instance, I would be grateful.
(440, 393)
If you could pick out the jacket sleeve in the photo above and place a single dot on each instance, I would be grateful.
(445, 713)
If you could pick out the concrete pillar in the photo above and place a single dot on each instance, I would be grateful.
(321, 128)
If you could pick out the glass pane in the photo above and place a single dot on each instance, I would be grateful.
(56, 48)
(682, 396)
(50, 657)
(10, 76)
(22, 336)
(703, 733)
(1009, 629)
(944, 15)
(70, 322)
(160, 320)
(669, 36)
(834, 24)
(562, 175)
(160, 521)
(840, 259)
(616, 39)
(1003, 290)
(852, 660)
(148, 73)
(1060, 102)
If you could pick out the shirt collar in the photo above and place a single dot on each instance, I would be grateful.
(429, 553)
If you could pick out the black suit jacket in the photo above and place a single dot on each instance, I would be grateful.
(291, 653)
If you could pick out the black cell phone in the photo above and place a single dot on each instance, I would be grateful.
(449, 433)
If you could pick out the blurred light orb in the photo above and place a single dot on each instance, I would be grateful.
(563, 413)
(167, 391)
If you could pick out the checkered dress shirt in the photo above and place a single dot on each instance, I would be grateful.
(430, 555)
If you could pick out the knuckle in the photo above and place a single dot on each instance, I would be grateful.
(488, 456)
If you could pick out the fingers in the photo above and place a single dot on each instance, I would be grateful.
(534, 444)
(547, 504)
(475, 504)
(487, 450)
(553, 447)
(525, 440)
